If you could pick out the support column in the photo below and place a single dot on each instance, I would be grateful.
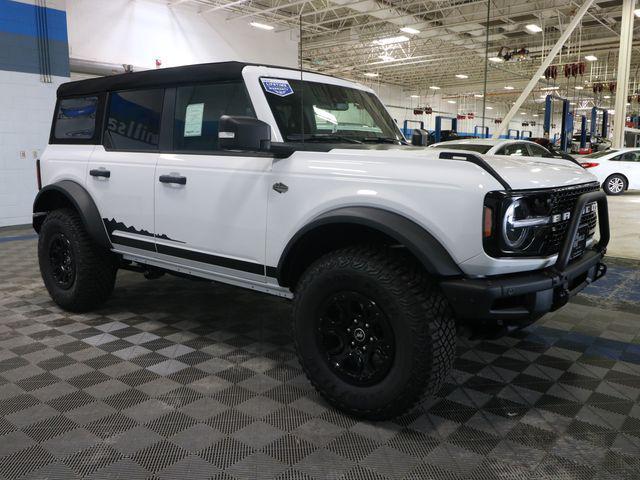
(624, 62)
(547, 61)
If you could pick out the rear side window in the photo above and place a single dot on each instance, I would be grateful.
(538, 151)
(75, 119)
(198, 111)
(133, 120)
(514, 149)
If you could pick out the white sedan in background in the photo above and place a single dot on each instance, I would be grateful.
(617, 170)
(510, 148)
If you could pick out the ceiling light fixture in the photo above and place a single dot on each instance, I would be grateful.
(415, 96)
(489, 108)
(451, 101)
(410, 31)
(371, 74)
(590, 58)
(496, 59)
(579, 87)
(462, 75)
(391, 40)
(386, 58)
(607, 96)
(478, 95)
(550, 88)
(433, 87)
(508, 87)
(636, 12)
(535, 115)
(533, 28)
(261, 26)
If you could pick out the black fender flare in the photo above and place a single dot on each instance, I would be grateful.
(424, 246)
(48, 200)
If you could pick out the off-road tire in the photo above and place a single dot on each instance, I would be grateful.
(95, 268)
(422, 321)
(619, 180)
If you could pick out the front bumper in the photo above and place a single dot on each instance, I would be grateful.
(521, 298)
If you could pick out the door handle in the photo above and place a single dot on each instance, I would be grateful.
(177, 179)
(101, 172)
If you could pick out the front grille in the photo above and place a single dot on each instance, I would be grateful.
(564, 200)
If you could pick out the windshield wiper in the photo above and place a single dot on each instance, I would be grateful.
(383, 140)
(329, 137)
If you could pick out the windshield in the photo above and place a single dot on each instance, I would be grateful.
(599, 154)
(313, 111)
(464, 146)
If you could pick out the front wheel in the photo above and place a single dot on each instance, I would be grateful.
(78, 274)
(373, 332)
(614, 185)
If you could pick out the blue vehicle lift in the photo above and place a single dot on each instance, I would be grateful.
(566, 126)
(406, 131)
(583, 131)
(522, 136)
(605, 122)
(477, 128)
(516, 135)
(438, 130)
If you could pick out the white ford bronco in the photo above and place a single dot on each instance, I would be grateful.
(301, 185)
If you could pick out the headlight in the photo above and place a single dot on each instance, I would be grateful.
(519, 223)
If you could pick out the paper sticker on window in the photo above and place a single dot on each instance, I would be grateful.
(193, 120)
(277, 86)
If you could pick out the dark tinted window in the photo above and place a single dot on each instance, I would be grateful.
(515, 149)
(538, 151)
(198, 110)
(462, 146)
(133, 120)
(76, 118)
(628, 157)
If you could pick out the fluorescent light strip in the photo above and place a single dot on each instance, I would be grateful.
(261, 26)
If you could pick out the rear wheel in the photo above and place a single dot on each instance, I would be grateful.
(78, 274)
(373, 332)
(614, 185)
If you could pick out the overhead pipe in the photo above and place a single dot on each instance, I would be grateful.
(102, 69)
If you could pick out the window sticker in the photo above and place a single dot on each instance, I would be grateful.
(193, 120)
(277, 86)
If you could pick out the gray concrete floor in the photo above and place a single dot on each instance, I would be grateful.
(624, 214)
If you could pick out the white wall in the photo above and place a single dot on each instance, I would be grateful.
(137, 32)
(27, 107)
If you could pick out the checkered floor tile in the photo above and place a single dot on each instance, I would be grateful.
(180, 379)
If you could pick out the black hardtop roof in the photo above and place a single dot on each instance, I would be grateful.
(203, 72)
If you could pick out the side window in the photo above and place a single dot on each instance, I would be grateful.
(628, 157)
(514, 149)
(538, 151)
(75, 119)
(133, 120)
(198, 111)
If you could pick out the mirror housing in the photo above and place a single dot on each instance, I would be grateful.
(244, 133)
(420, 138)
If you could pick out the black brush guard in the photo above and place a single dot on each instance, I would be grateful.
(521, 298)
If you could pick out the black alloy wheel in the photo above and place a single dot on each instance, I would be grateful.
(355, 338)
(62, 261)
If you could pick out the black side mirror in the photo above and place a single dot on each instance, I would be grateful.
(420, 138)
(243, 133)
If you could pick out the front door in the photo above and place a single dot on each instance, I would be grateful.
(120, 177)
(211, 205)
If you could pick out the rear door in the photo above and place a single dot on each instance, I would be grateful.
(630, 166)
(120, 177)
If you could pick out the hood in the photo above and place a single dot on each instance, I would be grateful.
(522, 173)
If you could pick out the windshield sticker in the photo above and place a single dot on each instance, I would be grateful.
(193, 120)
(277, 86)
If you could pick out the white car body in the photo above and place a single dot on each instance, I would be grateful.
(624, 162)
(518, 149)
(229, 212)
